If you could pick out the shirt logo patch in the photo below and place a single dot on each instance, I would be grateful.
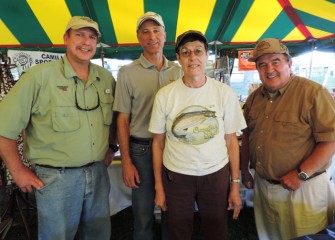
(63, 88)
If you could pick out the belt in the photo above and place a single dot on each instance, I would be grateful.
(53, 167)
(316, 174)
(142, 141)
(272, 181)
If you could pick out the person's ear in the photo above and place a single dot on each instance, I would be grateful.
(66, 36)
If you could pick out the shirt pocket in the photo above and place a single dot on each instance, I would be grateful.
(106, 102)
(65, 119)
(287, 120)
(288, 126)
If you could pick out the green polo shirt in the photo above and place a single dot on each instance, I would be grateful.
(285, 128)
(137, 85)
(56, 132)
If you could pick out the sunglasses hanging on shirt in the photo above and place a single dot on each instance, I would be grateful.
(86, 109)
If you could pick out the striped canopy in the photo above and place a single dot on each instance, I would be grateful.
(228, 24)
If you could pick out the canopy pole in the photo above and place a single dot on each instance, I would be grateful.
(310, 65)
(312, 53)
(102, 54)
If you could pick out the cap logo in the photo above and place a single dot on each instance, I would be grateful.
(149, 15)
(78, 22)
(268, 46)
(87, 19)
(262, 46)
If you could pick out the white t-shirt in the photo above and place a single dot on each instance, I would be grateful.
(195, 121)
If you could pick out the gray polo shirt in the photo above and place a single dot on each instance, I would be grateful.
(136, 87)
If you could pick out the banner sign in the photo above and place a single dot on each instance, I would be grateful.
(27, 59)
(243, 63)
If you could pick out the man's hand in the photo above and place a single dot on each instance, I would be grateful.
(247, 179)
(291, 181)
(160, 200)
(26, 179)
(109, 156)
(130, 175)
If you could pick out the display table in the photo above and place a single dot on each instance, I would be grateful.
(119, 195)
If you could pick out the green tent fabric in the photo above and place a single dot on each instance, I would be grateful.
(228, 24)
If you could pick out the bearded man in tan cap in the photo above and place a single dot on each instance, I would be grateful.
(290, 141)
(65, 107)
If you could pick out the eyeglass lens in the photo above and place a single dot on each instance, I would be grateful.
(187, 52)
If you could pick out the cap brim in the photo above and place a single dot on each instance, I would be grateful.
(79, 27)
(187, 35)
(253, 59)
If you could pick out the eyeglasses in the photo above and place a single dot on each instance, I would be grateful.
(184, 52)
(86, 109)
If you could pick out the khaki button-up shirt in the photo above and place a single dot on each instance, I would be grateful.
(285, 128)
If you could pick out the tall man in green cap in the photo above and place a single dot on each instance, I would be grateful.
(290, 141)
(65, 107)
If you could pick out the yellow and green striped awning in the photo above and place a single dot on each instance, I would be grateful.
(40, 24)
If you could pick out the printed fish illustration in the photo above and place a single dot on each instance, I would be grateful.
(188, 120)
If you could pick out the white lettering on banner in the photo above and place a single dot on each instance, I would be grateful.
(27, 59)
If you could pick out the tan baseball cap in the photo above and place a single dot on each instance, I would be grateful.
(149, 16)
(78, 22)
(268, 46)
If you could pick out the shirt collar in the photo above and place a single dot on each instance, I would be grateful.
(281, 91)
(146, 64)
(70, 73)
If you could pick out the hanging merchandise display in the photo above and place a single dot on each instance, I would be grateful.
(6, 83)
(6, 77)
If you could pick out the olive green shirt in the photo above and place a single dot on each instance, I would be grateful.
(56, 132)
(284, 129)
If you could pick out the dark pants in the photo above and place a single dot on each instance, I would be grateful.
(210, 192)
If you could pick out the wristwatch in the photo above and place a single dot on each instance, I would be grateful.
(301, 174)
(237, 180)
(114, 147)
